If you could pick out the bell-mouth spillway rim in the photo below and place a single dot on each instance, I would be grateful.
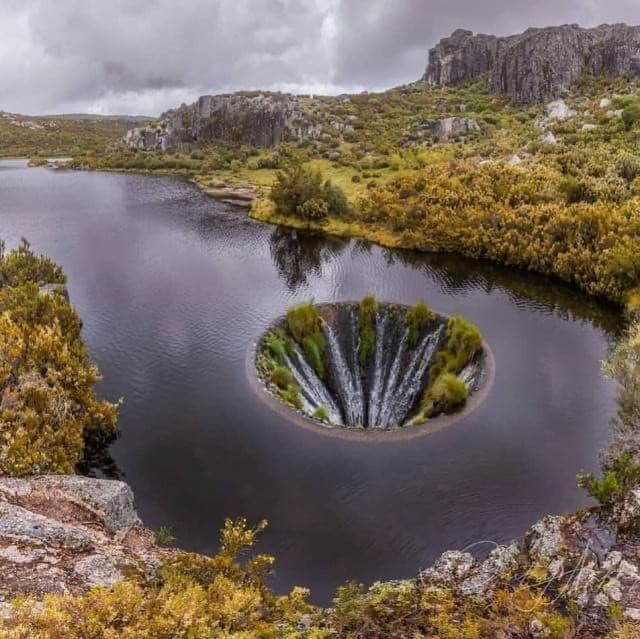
(297, 417)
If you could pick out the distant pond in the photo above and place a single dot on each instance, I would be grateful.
(173, 289)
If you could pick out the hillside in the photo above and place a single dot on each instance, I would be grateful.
(60, 135)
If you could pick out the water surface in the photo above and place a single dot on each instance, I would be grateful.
(173, 287)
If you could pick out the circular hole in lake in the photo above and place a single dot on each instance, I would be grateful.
(371, 367)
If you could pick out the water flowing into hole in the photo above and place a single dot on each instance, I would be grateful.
(371, 365)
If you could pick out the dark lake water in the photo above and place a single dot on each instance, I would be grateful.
(174, 287)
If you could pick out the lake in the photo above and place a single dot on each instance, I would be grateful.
(174, 288)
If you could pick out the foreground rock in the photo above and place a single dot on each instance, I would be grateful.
(536, 65)
(586, 559)
(65, 534)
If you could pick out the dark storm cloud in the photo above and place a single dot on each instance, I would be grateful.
(148, 55)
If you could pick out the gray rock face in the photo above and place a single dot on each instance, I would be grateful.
(21, 525)
(453, 127)
(66, 534)
(461, 57)
(112, 501)
(558, 110)
(545, 538)
(262, 120)
(538, 64)
(452, 567)
(99, 570)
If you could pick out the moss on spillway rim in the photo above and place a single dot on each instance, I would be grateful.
(371, 369)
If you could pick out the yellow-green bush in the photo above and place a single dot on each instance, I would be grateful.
(194, 597)
(49, 413)
(514, 215)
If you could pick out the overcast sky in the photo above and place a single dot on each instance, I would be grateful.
(144, 56)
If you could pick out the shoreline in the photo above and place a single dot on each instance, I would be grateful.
(251, 196)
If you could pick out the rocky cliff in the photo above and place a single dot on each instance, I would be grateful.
(538, 64)
(260, 120)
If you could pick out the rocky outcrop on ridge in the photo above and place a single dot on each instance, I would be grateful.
(538, 64)
(261, 120)
(67, 533)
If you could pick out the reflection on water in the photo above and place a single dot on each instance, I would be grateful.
(298, 256)
(174, 288)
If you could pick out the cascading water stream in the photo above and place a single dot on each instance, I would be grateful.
(312, 386)
(392, 380)
(413, 381)
(375, 394)
(350, 399)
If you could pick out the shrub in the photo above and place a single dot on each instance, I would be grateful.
(445, 395)
(463, 342)
(336, 199)
(417, 319)
(631, 115)
(366, 325)
(22, 265)
(314, 346)
(321, 414)
(291, 395)
(281, 377)
(575, 190)
(295, 189)
(164, 536)
(277, 345)
(50, 416)
(616, 481)
(303, 321)
(314, 209)
(628, 167)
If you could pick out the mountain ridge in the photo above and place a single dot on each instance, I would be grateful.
(538, 64)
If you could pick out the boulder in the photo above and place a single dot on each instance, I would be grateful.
(99, 570)
(111, 500)
(448, 128)
(558, 110)
(545, 539)
(261, 120)
(450, 570)
(500, 562)
(66, 534)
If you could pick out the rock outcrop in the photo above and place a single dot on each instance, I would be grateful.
(582, 557)
(68, 533)
(261, 120)
(449, 128)
(538, 64)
